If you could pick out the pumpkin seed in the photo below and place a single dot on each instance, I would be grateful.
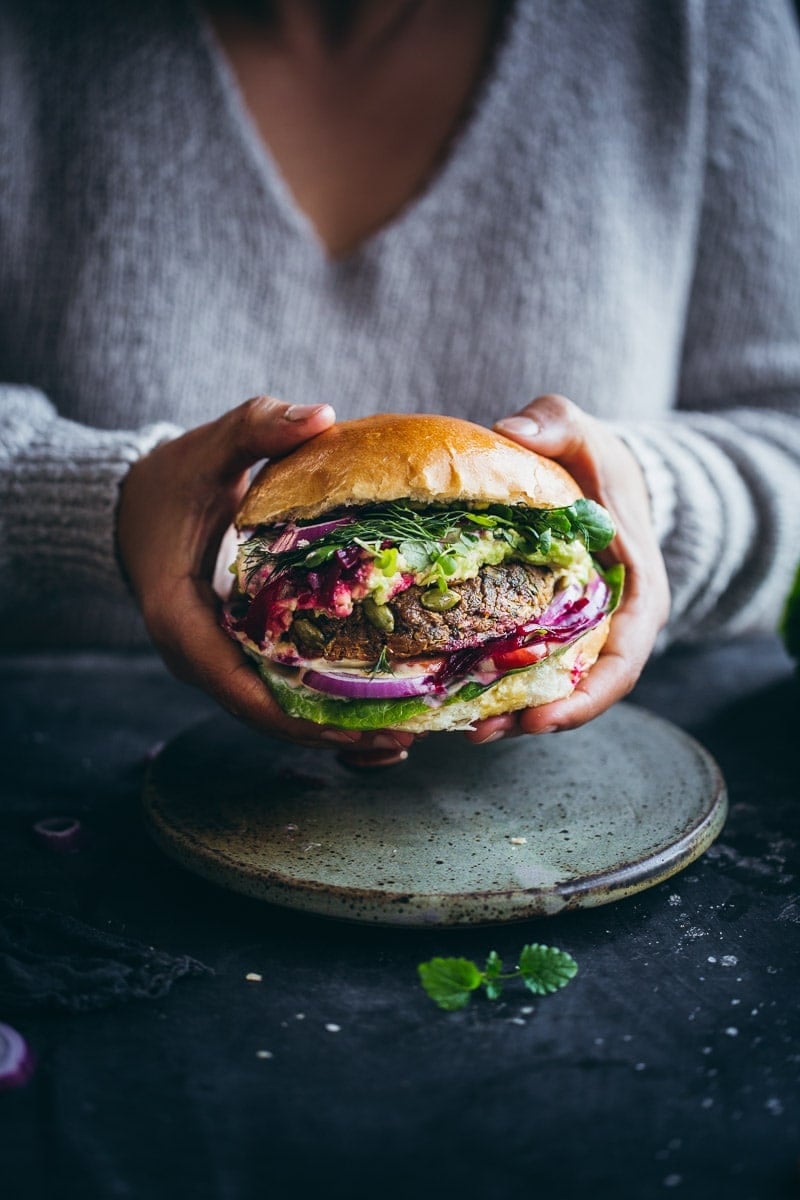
(380, 616)
(309, 635)
(438, 601)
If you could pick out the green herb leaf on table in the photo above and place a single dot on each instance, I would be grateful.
(544, 969)
(450, 982)
(491, 975)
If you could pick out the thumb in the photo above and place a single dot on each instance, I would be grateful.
(551, 425)
(263, 428)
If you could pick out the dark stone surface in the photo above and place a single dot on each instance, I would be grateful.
(670, 1066)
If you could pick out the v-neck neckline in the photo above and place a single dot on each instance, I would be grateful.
(453, 164)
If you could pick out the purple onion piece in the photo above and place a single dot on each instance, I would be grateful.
(561, 602)
(369, 687)
(572, 613)
(61, 834)
(16, 1061)
(292, 534)
(254, 621)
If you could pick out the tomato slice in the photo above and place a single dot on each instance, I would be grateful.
(524, 656)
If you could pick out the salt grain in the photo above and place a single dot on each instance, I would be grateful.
(331, 1028)
(253, 977)
(732, 1031)
(518, 841)
(729, 960)
(263, 1054)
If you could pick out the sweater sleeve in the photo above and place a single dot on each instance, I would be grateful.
(724, 471)
(59, 488)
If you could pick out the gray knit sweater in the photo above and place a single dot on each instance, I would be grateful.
(618, 220)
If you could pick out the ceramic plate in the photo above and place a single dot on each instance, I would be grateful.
(457, 835)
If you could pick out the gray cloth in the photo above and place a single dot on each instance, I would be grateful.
(618, 219)
(49, 960)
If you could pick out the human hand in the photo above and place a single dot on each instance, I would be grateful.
(607, 471)
(176, 503)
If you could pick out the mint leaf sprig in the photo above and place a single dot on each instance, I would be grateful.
(450, 982)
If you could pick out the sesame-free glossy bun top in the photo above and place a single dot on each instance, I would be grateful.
(419, 457)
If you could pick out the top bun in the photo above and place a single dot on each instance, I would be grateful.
(418, 457)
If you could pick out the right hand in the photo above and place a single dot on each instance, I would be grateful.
(176, 504)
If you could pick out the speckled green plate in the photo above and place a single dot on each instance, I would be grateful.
(457, 835)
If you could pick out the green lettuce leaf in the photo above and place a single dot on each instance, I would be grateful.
(307, 705)
(790, 620)
(615, 578)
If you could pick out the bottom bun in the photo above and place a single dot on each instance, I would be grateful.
(551, 679)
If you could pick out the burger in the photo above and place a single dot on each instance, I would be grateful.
(419, 572)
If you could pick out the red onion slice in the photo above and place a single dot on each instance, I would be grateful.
(293, 534)
(62, 834)
(572, 613)
(369, 687)
(16, 1061)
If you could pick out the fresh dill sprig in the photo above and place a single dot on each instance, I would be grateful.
(382, 665)
(428, 537)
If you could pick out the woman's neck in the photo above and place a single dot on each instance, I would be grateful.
(357, 127)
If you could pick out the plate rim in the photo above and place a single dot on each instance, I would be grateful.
(415, 909)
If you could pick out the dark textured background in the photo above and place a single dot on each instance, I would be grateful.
(630, 1083)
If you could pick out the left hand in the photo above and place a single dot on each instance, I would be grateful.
(607, 471)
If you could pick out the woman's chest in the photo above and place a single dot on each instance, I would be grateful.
(356, 131)
(157, 268)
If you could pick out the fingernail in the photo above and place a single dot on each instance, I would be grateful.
(339, 736)
(383, 741)
(548, 729)
(304, 412)
(369, 760)
(521, 426)
(493, 737)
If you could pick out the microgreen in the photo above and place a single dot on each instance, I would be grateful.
(427, 538)
(450, 982)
